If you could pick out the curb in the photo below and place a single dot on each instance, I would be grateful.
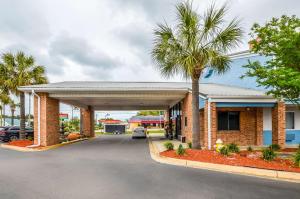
(25, 149)
(262, 173)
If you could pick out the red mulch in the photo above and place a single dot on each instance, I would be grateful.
(288, 150)
(21, 143)
(247, 159)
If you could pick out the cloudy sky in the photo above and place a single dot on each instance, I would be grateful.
(107, 39)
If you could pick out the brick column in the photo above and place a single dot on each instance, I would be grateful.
(213, 120)
(49, 120)
(187, 112)
(278, 124)
(259, 126)
(204, 126)
(87, 122)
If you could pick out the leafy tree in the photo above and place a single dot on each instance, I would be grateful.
(13, 107)
(144, 113)
(279, 39)
(21, 70)
(194, 44)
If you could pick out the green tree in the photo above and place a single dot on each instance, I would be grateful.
(13, 107)
(21, 70)
(194, 44)
(5, 100)
(278, 39)
(144, 113)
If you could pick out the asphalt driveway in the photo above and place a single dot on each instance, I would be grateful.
(118, 167)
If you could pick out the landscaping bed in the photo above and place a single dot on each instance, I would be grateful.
(21, 143)
(245, 158)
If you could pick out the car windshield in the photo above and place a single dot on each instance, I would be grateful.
(139, 129)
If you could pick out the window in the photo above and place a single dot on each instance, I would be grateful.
(228, 120)
(185, 121)
(290, 120)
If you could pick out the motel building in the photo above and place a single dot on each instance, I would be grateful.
(148, 121)
(230, 109)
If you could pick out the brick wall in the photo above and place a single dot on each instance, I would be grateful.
(49, 120)
(187, 112)
(87, 122)
(278, 124)
(251, 125)
(250, 132)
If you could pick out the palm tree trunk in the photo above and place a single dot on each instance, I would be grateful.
(3, 115)
(22, 116)
(12, 117)
(195, 114)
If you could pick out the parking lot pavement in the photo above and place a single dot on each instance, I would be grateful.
(115, 166)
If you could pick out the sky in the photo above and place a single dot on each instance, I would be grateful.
(108, 39)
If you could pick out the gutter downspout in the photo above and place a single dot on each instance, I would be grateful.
(39, 120)
(209, 123)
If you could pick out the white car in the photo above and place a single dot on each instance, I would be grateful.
(139, 132)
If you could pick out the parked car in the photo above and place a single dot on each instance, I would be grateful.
(10, 133)
(139, 132)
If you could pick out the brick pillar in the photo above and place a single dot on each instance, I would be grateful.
(49, 120)
(204, 125)
(87, 122)
(213, 120)
(278, 124)
(259, 126)
(187, 112)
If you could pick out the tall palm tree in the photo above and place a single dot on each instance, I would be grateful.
(4, 99)
(195, 43)
(22, 71)
(12, 106)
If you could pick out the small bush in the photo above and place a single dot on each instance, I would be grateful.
(30, 138)
(274, 147)
(250, 149)
(269, 154)
(180, 150)
(297, 158)
(224, 151)
(190, 145)
(73, 136)
(233, 148)
(299, 147)
(169, 145)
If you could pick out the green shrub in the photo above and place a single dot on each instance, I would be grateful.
(250, 149)
(169, 145)
(299, 147)
(190, 145)
(297, 158)
(233, 148)
(268, 154)
(274, 147)
(180, 150)
(224, 151)
(30, 138)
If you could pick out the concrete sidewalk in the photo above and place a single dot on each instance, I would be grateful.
(156, 146)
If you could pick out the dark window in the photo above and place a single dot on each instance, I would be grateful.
(229, 120)
(290, 120)
(185, 121)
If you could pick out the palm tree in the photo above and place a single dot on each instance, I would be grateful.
(5, 99)
(12, 106)
(194, 44)
(22, 71)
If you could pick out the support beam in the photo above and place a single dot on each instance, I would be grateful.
(278, 124)
(49, 120)
(87, 122)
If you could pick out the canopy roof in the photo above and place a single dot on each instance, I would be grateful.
(106, 95)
